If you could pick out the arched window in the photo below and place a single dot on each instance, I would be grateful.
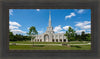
(52, 40)
(64, 40)
(40, 40)
(56, 40)
(60, 40)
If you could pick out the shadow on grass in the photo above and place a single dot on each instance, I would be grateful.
(76, 46)
(38, 45)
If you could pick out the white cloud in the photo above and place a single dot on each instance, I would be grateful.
(79, 31)
(66, 27)
(38, 9)
(89, 30)
(76, 28)
(40, 32)
(10, 12)
(61, 32)
(28, 28)
(14, 27)
(81, 11)
(14, 24)
(17, 32)
(69, 16)
(57, 28)
(84, 25)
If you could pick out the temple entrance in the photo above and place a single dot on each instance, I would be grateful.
(46, 38)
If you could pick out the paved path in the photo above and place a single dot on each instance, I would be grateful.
(49, 44)
(81, 44)
(37, 44)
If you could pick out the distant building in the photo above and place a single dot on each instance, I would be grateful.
(49, 35)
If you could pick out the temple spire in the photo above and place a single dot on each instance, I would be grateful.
(49, 19)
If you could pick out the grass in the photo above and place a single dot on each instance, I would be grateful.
(46, 47)
(29, 42)
(49, 47)
(79, 42)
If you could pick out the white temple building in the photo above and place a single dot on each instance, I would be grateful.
(49, 35)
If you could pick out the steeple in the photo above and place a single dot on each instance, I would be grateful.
(49, 19)
(49, 28)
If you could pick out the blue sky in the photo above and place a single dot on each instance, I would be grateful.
(21, 19)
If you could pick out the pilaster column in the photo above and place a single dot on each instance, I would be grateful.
(66, 40)
(31, 40)
(58, 38)
(54, 38)
(39, 40)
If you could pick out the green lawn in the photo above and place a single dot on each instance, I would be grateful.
(49, 47)
(46, 47)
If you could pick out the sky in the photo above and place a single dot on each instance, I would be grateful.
(20, 20)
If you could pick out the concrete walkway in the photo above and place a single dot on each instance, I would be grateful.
(49, 44)
(37, 44)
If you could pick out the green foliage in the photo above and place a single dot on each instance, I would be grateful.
(88, 37)
(78, 37)
(11, 36)
(18, 37)
(83, 36)
(32, 31)
(70, 34)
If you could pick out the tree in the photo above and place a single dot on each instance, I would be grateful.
(18, 37)
(32, 32)
(70, 34)
(78, 37)
(88, 37)
(26, 38)
(83, 37)
(11, 36)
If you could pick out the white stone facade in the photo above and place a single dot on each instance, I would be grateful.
(50, 36)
